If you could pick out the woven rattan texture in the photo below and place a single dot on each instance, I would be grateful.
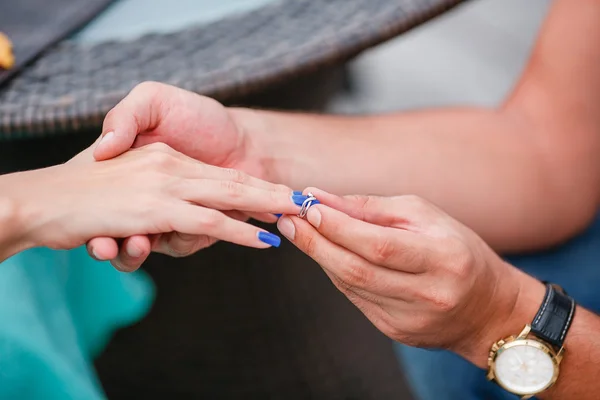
(72, 86)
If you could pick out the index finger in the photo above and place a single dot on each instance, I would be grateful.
(374, 209)
(389, 247)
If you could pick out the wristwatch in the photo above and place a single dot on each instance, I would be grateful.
(528, 364)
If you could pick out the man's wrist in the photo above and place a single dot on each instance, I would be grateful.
(514, 307)
(268, 141)
(255, 142)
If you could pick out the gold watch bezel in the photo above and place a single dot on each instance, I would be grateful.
(522, 340)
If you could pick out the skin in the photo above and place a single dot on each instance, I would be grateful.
(521, 176)
(424, 279)
(530, 164)
(152, 190)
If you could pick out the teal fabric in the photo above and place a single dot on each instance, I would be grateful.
(58, 310)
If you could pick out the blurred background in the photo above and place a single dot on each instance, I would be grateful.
(229, 321)
(471, 55)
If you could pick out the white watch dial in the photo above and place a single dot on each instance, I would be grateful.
(524, 369)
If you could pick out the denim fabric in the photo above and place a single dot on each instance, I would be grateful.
(441, 375)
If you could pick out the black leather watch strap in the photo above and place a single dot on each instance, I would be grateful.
(553, 319)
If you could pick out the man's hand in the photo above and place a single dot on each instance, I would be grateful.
(197, 126)
(417, 274)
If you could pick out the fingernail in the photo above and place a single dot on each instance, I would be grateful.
(95, 255)
(297, 193)
(314, 217)
(118, 266)
(134, 251)
(106, 138)
(298, 199)
(287, 228)
(269, 238)
(278, 215)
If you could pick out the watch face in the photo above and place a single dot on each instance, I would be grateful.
(524, 367)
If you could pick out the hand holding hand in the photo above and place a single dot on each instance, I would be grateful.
(421, 277)
(195, 125)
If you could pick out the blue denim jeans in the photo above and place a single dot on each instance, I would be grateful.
(441, 375)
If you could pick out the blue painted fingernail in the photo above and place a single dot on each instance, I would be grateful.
(269, 238)
(278, 215)
(297, 193)
(298, 199)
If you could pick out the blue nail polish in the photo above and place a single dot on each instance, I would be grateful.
(278, 215)
(299, 199)
(269, 238)
(297, 193)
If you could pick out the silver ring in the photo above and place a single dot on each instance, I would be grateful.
(306, 205)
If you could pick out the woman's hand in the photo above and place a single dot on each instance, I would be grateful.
(421, 277)
(195, 125)
(149, 191)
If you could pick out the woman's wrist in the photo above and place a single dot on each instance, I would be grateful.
(14, 226)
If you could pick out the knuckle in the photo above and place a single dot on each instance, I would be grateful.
(383, 250)
(459, 260)
(236, 176)
(210, 219)
(232, 189)
(160, 160)
(443, 300)
(159, 147)
(363, 202)
(360, 203)
(419, 323)
(174, 186)
(356, 274)
(309, 244)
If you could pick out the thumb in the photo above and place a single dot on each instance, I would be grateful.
(112, 144)
(138, 112)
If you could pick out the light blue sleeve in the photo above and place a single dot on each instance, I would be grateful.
(58, 309)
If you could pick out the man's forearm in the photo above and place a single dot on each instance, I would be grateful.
(580, 368)
(479, 165)
(525, 175)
